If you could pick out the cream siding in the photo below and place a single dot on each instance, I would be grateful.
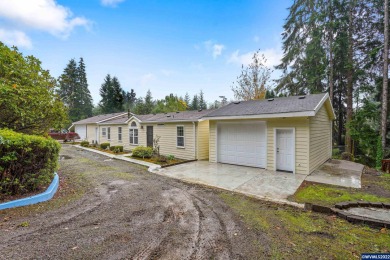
(114, 136)
(320, 138)
(203, 140)
(91, 135)
(301, 126)
(167, 133)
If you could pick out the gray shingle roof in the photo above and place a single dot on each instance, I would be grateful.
(174, 116)
(277, 106)
(95, 119)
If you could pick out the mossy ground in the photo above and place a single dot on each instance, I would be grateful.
(374, 189)
(296, 233)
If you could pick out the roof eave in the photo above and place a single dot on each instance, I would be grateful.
(264, 116)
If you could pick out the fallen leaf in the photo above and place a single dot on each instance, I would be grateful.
(383, 230)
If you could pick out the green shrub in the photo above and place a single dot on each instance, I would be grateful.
(104, 146)
(116, 149)
(27, 162)
(143, 152)
(84, 143)
(336, 153)
(170, 157)
(347, 156)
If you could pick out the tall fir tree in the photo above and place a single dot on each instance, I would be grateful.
(195, 103)
(87, 103)
(74, 92)
(187, 100)
(112, 95)
(202, 102)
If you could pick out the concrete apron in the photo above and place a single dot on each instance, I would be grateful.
(338, 172)
(259, 183)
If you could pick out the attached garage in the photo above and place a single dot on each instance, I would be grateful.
(242, 143)
(81, 130)
(291, 134)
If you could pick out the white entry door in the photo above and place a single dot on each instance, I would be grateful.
(96, 134)
(242, 144)
(285, 146)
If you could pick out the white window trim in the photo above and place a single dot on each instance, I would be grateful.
(109, 133)
(104, 131)
(294, 140)
(184, 139)
(120, 134)
(130, 130)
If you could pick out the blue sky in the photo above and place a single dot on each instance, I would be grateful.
(165, 46)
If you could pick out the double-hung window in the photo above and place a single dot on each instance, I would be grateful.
(180, 136)
(133, 133)
(104, 132)
(119, 133)
(108, 133)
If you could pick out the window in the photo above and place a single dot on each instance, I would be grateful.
(108, 133)
(119, 133)
(180, 136)
(104, 132)
(133, 133)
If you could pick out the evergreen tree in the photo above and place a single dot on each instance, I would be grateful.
(130, 98)
(144, 106)
(195, 103)
(202, 102)
(86, 98)
(187, 100)
(112, 95)
(73, 91)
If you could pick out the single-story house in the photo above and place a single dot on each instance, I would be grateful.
(181, 133)
(292, 134)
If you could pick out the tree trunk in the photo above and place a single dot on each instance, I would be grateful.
(385, 74)
(331, 52)
(348, 139)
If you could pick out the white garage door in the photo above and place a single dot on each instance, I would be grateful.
(242, 144)
(81, 130)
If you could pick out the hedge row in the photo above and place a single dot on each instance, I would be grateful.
(27, 162)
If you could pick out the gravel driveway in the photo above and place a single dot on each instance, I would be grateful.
(129, 213)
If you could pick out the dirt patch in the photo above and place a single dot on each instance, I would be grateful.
(124, 212)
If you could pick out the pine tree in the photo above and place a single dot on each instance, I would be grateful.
(202, 102)
(86, 98)
(112, 95)
(74, 92)
(187, 100)
(130, 98)
(195, 103)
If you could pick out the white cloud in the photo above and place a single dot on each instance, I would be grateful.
(217, 50)
(147, 78)
(214, 48)
(111, 3)
(273, 57)
(15, 38)
(256, 38)
(43, 15)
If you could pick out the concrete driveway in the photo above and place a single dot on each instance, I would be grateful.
(261, 183)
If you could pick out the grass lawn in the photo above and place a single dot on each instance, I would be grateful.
(298, 234)
(155, 160)
(374, 188)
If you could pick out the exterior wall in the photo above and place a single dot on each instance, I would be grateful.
(114, 136)
(202, 140)
(320, 139)
(301, 126)
(167, 133)
(91, 135)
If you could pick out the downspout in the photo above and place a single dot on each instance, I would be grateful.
(196, 143)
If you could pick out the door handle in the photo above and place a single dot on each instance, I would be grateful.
(277, 150)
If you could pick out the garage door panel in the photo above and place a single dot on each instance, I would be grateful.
(81, 131)
(242, 144)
